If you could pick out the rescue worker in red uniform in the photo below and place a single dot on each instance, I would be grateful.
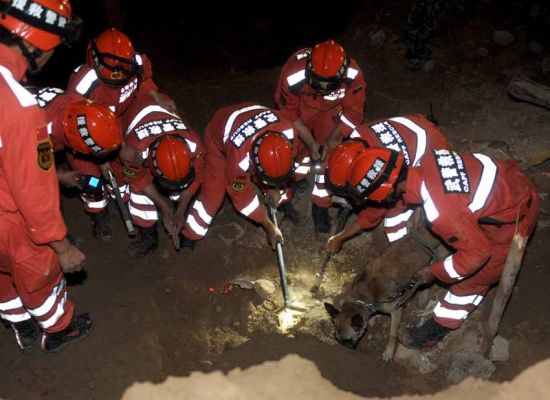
(472, 202)
(34, 250)
(248, 146)
(114, 74)
(322, 92)
(163, 162)
(88, 133)
(413, 136)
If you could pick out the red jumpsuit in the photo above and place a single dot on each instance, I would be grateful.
(143, 123)
(297, 100)
(413, 136)
(472, 202)
(228, 139)
(31, 281)
(54, 101)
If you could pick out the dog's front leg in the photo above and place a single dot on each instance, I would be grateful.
(395, 320)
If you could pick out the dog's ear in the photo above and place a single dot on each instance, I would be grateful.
(357, 322)
(331, 310)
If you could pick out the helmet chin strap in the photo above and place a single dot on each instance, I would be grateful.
(31, 56)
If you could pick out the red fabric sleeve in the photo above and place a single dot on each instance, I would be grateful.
(146, 84)
(35, 190)
(370, 217)
(243, 194)
(353, 104)
(287, 102)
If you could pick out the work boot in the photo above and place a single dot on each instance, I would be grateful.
(101, 227)
(290, 212)
(186, 242)
(79, 328)
(321, 219)
(424, 336)
(147, 242)
(26, 333)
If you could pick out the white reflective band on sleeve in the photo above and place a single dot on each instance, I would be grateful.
(429, 206)
(393, 236)
(234, 115)
(354, 134)
(251, 207)
(319, 192)
(48, 304)
(352, 73)
(146, 111)
(49, 128)
(24, 97)
(421, 139)
(284, 197)
(195, 227)
(347, 121)
(141, 199)
(450, 268)
(202, 212)
(12, 304)
(442, 312)
(174, 197)
(87, 81)
(15, 317)
(306, 160)
(302, 169)
(296, 77)
(145, 153)
(319, 178)
(192, 145)
(112, 108)
(394, 221)
(96, 204)
(486, 183)
(55, 317)
(78, 68)
(474, 299)
(145, 215)
(244, 164)
(139, 60)
(289, 133)
(0, 143)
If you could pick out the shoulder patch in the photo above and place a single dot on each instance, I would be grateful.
(238, 185)
(44, 152)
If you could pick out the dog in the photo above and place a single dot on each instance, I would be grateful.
(385, 286)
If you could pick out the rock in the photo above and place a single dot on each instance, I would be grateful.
(545, 65)
(463, 365)
(483, 51)
(264, 288)
(500, 350)
(376, 39)
(428, 66)
(536, 47)
(423, 362)
(503, 38)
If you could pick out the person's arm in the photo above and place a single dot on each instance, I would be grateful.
(334, 243)
(163, 204)
(308, 139)
(354, 102)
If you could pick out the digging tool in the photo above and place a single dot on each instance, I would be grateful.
(121, 206)
(342, 218)
(281, 263)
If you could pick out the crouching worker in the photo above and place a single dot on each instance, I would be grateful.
(472, 202)
(250, 148)
(162, 161)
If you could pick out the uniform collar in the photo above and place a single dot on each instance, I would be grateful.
(14, 61)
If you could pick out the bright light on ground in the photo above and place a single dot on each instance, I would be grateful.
(288, 318)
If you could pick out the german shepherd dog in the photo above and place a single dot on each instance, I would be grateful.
(385, 286)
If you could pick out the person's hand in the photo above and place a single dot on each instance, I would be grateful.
(273, 197)
(69, 178)
(105, 168)
(167, 103)
(177, 223)
(334, 244)
(71, 259)
(274, 236)
(167, 219)
(314, 151)
(424, 275)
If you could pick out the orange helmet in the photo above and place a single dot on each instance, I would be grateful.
(43, 24)
(112, 56)
(171, 162)
(373, 174)
(91, 128)
(326, 66)
(339, 164)
(272, 156)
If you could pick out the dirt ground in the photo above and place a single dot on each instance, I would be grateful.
(165, 316)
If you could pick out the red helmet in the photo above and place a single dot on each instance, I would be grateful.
(339, 163)
(172, 162)
(327, 66)
(373, 174)
(91, 128)
(113, 58)
(43, 24)
(272, 156)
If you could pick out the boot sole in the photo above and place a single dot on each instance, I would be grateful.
(65, 344)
